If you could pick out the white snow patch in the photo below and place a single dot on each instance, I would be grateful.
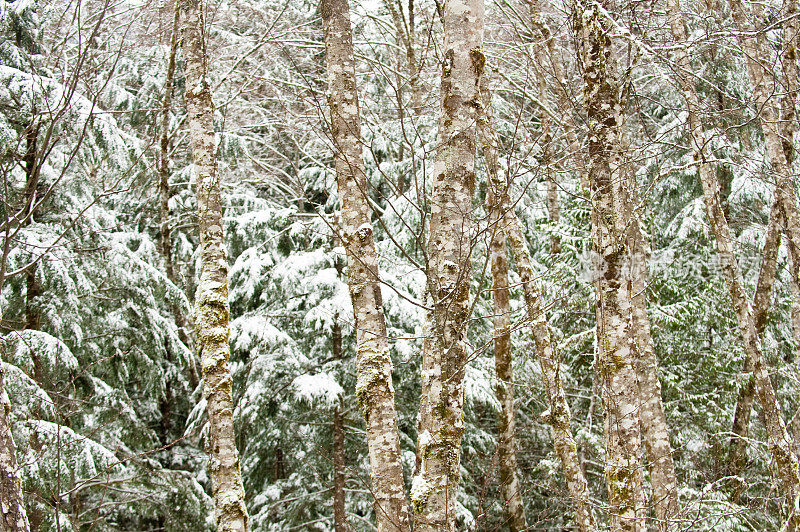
(320, 386)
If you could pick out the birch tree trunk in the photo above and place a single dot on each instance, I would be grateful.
(655, 430)
(558, 414)
(449, 248)
(779, 441)
(616, 359)
(212, 312)
(374, 388)
(510, 488)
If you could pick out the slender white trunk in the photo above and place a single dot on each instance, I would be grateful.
(212, 312)
(616, 358)
(374, 388)
(449, 248)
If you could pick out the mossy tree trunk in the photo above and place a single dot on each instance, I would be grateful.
(212, 312)
(655, 431)
(558, 415)
(510, 488)
(374, 387)
(449, 247)
(616, 369)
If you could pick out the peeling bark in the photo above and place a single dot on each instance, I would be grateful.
(780, 442)
(449, 247)
(374, 388)
(558, 415)
(212, 312)
(616, 359)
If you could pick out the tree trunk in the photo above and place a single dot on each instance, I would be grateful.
(558, 414)
(547, 52)
(655, 430)
(788, 120)
(374, 388)
(339, 474)
(616, 359)
(405, 28)
(510, 488)
(164, 190)
(777, 123)
(737, 456)
(741, 419)
(212, 312)
(449, 248)
(779, 439)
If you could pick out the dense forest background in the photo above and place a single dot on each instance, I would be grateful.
(98, 225)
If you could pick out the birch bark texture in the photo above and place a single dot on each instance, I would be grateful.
(212, 312)
(449, 247)
(374, 388)
(616, 359)
(655, 430)
(780, 443)
(558, 415)
(510, 488)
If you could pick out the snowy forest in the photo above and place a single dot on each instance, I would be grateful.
(399, 265)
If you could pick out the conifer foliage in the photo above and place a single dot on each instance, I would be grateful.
(399, 265)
